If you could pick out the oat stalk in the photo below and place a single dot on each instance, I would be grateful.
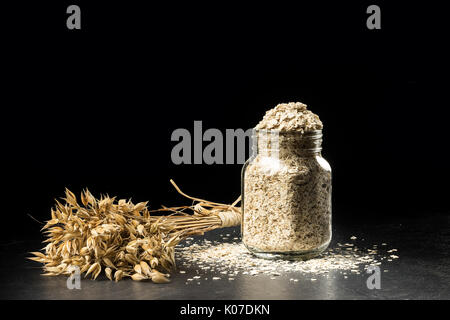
(124, 239)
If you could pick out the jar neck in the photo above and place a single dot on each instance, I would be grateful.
(274, 143)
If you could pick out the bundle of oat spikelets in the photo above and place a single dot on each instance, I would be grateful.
(124, 239)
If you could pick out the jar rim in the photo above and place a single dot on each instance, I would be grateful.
(288, 132)
(314, 134)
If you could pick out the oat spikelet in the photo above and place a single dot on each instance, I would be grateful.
(108, 272)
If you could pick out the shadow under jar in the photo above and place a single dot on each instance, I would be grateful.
(286, 196)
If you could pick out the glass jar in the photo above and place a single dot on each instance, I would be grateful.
(286, 195)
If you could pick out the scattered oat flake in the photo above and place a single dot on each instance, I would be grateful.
(234, 258)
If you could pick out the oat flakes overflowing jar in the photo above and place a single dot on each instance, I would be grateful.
(286, 186)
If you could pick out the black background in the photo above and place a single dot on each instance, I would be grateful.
(96, 107)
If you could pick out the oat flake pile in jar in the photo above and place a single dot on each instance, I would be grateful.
(286, 186)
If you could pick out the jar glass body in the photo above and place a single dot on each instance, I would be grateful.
(286, 196)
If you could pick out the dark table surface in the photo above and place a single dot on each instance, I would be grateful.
(422, 271)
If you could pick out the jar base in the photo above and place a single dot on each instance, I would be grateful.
(289, 255)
